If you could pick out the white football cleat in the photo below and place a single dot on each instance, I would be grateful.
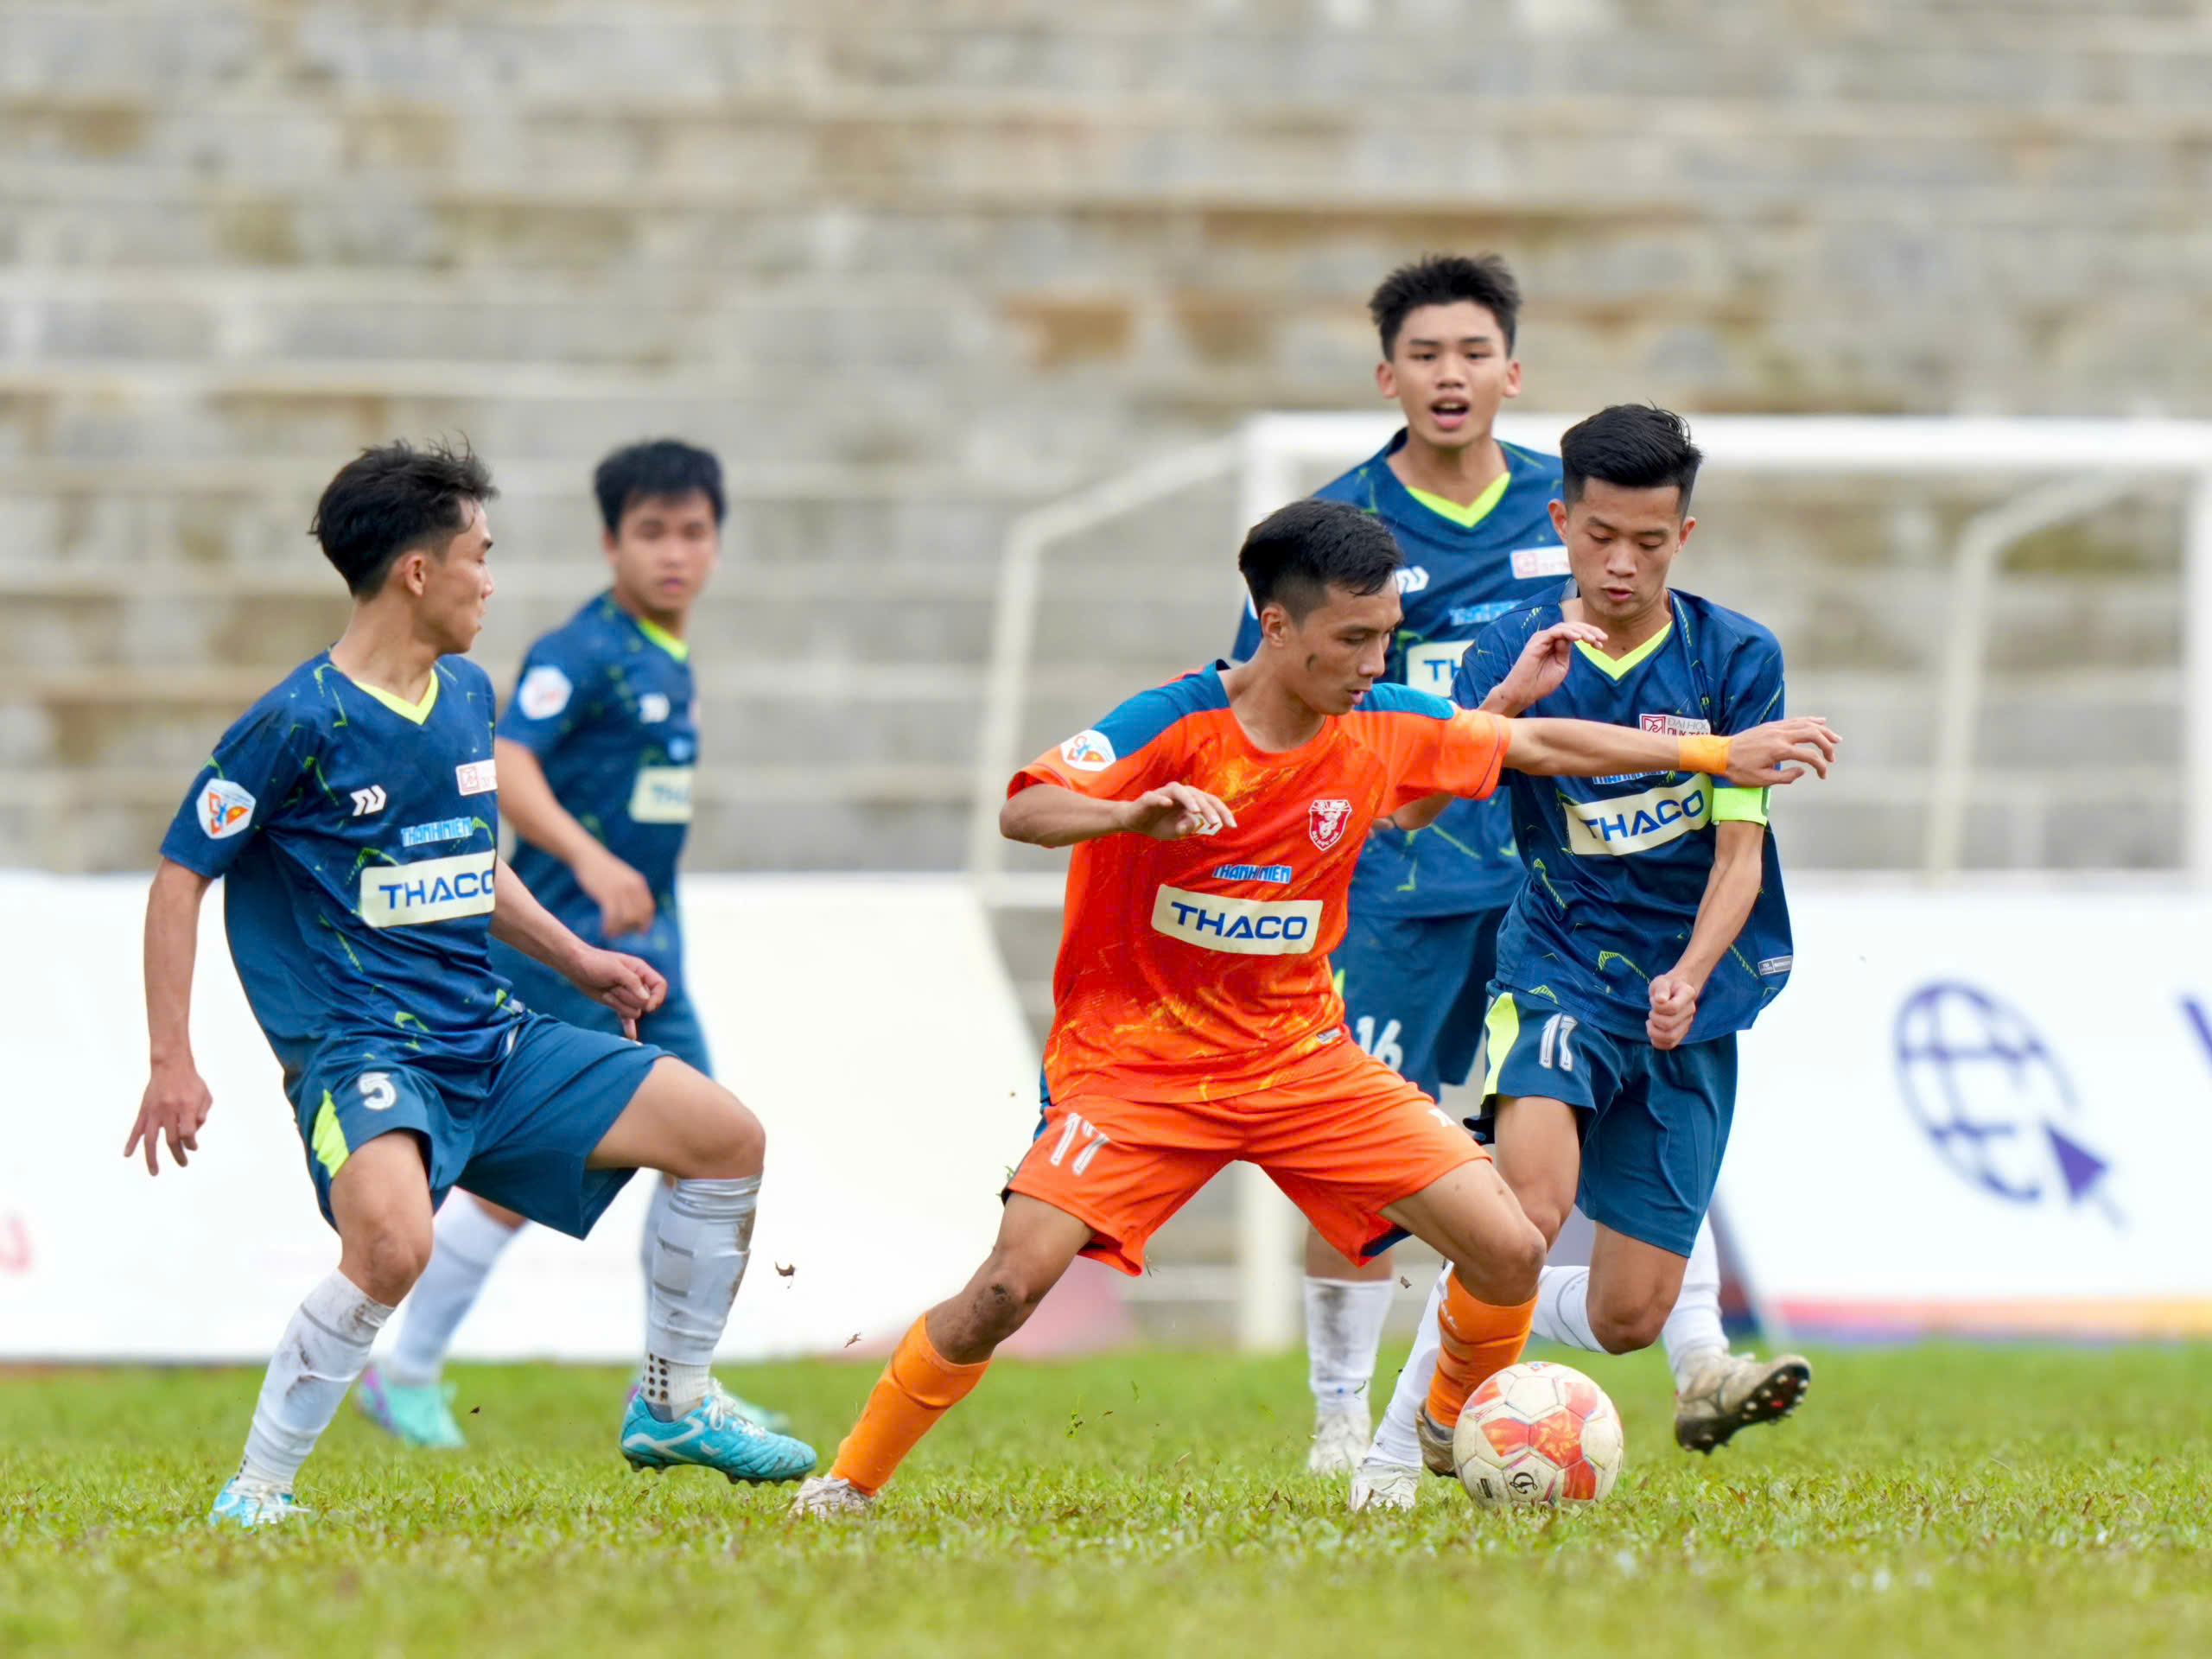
(1384, 1487)
(831, 1495)
(1341, 1433)
(1733, 1391)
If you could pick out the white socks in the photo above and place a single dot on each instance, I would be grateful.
(323, 1350)
(1397, 1441)
(698, 1259)
(648, 1240)
(469, 1240)
(1343, 1329)
(1693, 1332)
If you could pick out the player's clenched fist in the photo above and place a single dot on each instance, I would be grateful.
(1674, 1010)
(1781, 751)
(1174, 810)
(176, 1104)
(626, 984)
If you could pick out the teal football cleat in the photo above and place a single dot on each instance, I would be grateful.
(714, 1436)
(420, 1413)
(776, 1422)
(250, 1503)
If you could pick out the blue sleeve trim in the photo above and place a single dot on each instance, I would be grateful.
(1140, 721)
(1387, 697)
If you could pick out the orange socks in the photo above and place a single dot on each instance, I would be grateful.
(1479, 1341)
(917, 1388)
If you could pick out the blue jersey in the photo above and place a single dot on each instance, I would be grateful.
(1617, 865)
(1457, 578)
(359, 838)
(606, 705)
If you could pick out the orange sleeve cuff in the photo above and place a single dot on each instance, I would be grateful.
(1704, 755)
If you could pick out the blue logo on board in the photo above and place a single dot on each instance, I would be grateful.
(1994, 1100)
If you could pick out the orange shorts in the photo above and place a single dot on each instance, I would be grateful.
(1340, 1133)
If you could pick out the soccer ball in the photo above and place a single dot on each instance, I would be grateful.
(1537, 1433)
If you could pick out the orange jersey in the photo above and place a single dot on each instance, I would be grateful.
(1197, 969)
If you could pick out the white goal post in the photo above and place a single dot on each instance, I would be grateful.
(2069, 467)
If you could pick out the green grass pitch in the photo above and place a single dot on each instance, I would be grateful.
(1940, 1501)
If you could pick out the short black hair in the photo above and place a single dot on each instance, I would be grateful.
(1297, 553)
(392, 499)
(657, 466)
(1636, 445)
(1445, 279)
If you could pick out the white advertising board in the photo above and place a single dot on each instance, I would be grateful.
(1983, 1112)
(866, 1019)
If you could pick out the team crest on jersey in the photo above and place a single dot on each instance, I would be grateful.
(224, 809)
(544, 693)
(1088, 751)
(1675, 725)
(1326, 821)
(476, 777)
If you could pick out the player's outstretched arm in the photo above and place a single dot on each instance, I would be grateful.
(1738, 865)
(1780, 751)
(176, 1102)
(624, 897)
(1048, 815)
(625, 983)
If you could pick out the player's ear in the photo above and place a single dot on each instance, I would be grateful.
(1558, 519)
(1513, 378)
(1682, 540)
(606, 543)
(1386, 380)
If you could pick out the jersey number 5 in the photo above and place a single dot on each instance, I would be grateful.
(377, 1093)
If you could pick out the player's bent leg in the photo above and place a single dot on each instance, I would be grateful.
(684, 1123)
(1717, 1392)
(406, 1394)
(944, 1353)
(380, 1201)
(1472, 1219)
(1537, 1144)
(1632, 1289)
(1347, 1303)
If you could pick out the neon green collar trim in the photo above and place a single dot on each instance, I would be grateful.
(1618, 667)
(679, 649)
(1475, 512)
(417, 712)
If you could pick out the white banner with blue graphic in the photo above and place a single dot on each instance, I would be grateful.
(1983, 1112)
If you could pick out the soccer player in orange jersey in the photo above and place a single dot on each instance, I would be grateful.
(1216, 822)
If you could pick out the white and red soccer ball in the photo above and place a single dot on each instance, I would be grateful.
(1537, 1433)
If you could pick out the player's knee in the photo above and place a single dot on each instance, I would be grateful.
(1624, 1325)
(1008, 1289)
(386, 1254)
(727, 1142)
(1503, 1269)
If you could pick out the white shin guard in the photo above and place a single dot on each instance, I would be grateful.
(1397, 1441)
(323, 1350)
(1694, 1333)
(1344, 1330)
(699, 1254)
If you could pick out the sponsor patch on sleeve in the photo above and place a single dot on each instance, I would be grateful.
(1776, 964)
(1088, 751)
(225, 809)
(1529, 562)
(544, 692)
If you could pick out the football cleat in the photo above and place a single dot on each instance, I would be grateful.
(713, 1436)
(776, 1422)
(1384, 1486)
(1435, 1445)
(1341, 1432)
(1733, 1391)
(420, 1413)
(251, 1503)
(831, 1495)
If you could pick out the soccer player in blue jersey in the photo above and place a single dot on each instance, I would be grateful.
(1471, 514)
(596, 753)
(1652, 928)
(354, 813)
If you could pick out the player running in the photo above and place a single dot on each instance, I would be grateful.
(1473, 515)
(595, 757)
(1216, 822)
(1652, 928)
(354, 811)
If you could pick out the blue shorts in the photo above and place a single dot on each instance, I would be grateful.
(674, 1026)
(1654, 1122)
(1414, 989)
(517, 1131)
